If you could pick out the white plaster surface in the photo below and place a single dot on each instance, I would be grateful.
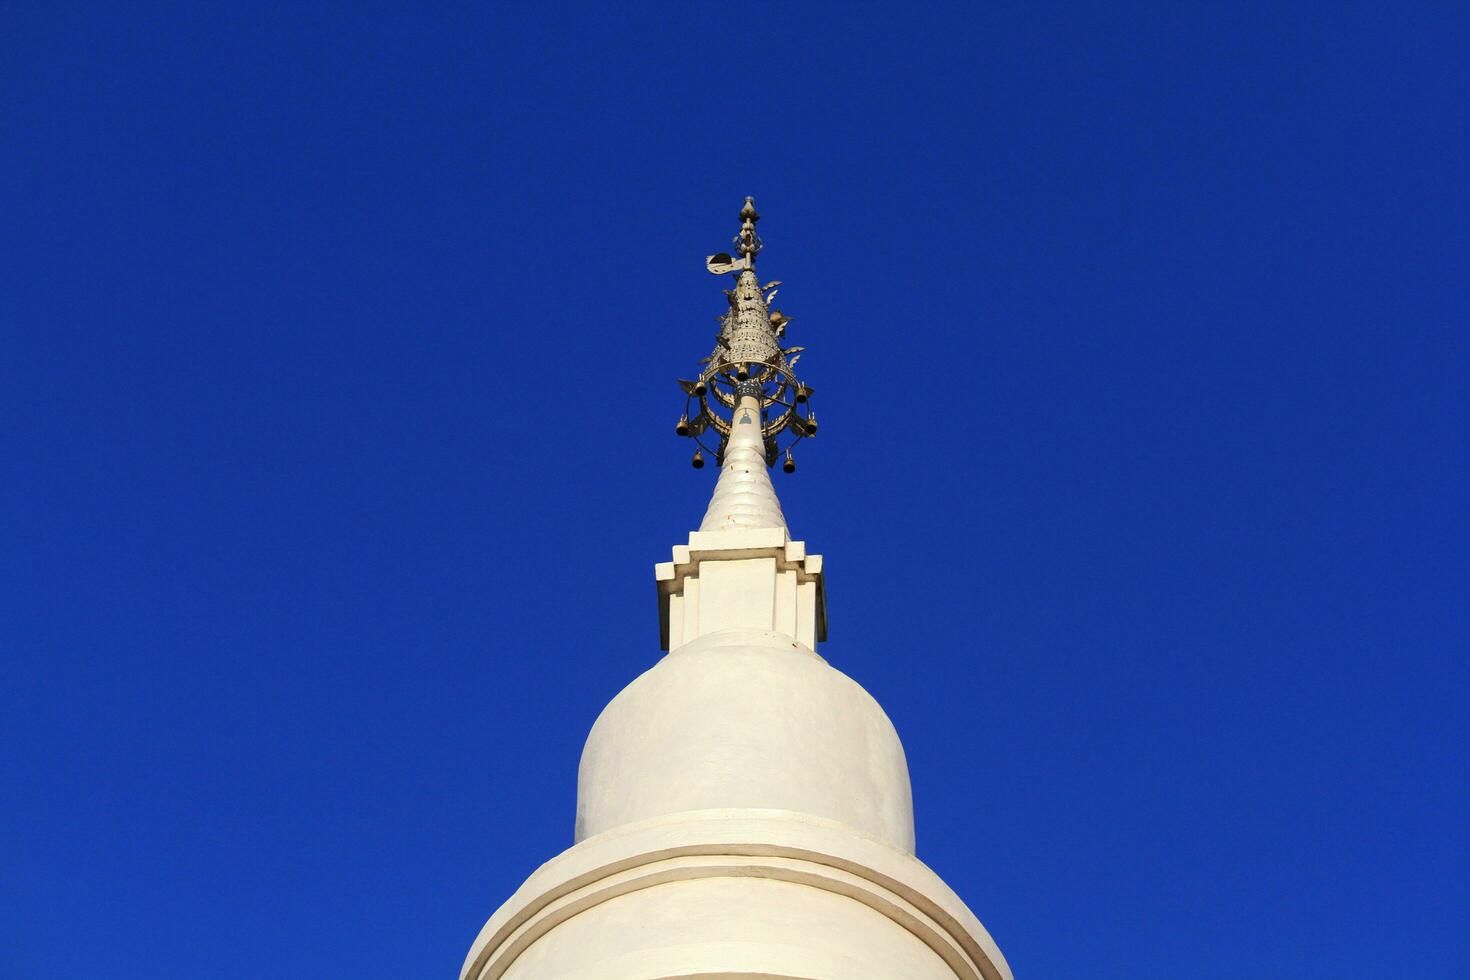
(743, 494)
(745, 718)
(737, 593)
(753, 577)
(571, 920)
(741, 925)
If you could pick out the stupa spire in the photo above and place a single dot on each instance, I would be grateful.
(741, 569)
(747, 400)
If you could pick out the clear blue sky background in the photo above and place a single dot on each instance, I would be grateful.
(338, 396)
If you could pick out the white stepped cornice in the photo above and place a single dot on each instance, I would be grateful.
(750, 579)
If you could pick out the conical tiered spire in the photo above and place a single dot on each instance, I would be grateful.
(743, 495)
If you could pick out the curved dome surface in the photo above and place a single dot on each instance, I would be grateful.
(745, 718)
(728, 927)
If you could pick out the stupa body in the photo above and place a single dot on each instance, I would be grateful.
(743, 808)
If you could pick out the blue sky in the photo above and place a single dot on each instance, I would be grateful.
(338, 387)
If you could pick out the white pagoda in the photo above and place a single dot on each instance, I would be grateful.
(743, 808)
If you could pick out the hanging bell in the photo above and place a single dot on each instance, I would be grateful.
(802, 394)
(790, 465)
(700, 388)
(811, 423)
(742, 372)
(682, 428)
(698, 461)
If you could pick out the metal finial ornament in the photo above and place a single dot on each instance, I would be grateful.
(748, 364)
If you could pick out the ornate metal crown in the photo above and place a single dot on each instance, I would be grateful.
(748, 362)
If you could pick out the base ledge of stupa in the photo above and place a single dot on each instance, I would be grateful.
(734, 893)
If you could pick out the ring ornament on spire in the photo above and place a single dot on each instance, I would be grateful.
(748, 361)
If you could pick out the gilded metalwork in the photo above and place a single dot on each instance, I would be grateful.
(748, 360)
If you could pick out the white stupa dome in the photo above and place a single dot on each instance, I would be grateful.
(750, 719)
